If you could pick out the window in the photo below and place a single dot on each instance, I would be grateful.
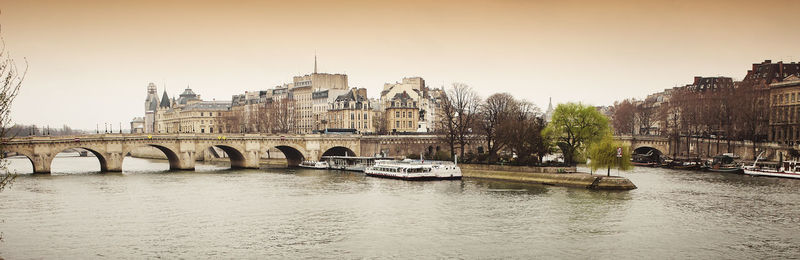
(396, 124)
(396, 113)
(201, 113)
(210, 113)
(352, 116)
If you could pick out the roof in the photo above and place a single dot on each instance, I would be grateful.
(209, 105)
(791, 80)
(164, 100)
(186, 96)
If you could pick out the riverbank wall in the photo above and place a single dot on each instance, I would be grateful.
(557, 176)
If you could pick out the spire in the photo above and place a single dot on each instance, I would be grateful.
(315, 62)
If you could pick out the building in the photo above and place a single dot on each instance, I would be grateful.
(137, 125)
(762, 75)
(302, 89)
(352, 111)
(703, 84)
(190, 114)
(150, 107)
(321, 101)
(428, 100)
(548, 115)
(784, 116)
(402, 114)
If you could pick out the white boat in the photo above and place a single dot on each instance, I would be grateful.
(788, 169)
(350, 163)
(414, 170)
(314, 165)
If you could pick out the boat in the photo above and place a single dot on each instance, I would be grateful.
(414, 170)
(649, 159)
(350, 163)
(725, 163)
(314, 165)
(685, 164)
(786, 169)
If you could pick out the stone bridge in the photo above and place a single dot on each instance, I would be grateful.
(244, 151)
(641, 144)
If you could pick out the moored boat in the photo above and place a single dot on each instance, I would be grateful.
(725, 163)
(314, 165)
(787, 169)
(414, 170)
(350, 163)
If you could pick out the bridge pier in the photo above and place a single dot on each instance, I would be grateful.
(111, 162)
(185, 161)
(41, 163)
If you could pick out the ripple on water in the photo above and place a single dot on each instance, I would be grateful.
(149, 212)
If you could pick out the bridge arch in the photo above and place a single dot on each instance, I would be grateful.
(101, 158)
(294, 155)
(172, 156)
(26, 155)
(236, 155)
(647, 149)
(339, 151)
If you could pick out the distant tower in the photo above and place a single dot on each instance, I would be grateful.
(548, 115)
(150, 107)
(315, 63)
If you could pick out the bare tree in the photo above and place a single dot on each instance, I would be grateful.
(523, 132)
(11, 78)
(460, 111)
(645, 115)
(624, 117)
(494, 113)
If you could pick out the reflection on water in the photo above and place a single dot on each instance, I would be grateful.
(148, 211)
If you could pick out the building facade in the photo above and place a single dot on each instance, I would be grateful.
(352, 111)
(190, 114)
(402, 114)
(784, 116)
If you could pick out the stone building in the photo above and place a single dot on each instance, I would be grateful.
(150, 107)
(137, 125)
(784, 116)
(190, 114)
(428, 100)
(352, 111)
(302, 89)
(321, 100)
(402, 114)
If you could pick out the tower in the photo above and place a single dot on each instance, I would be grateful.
(150, 107)
(315, 63)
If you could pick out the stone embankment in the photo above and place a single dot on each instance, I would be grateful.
(557, 176)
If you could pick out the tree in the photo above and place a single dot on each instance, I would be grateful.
(624, 117)
(645, 114)
(603, 154)
(10, 82)
(494, 113)
(459, 116)
(574, 126)
(522, 132)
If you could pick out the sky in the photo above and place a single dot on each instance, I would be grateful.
(89, 62)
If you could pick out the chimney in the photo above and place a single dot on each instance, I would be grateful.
(697, 80)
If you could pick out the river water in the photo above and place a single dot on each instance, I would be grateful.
(149, 212)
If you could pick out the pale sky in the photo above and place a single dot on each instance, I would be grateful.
(90, 61)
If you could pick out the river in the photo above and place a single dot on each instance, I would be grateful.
(149, 212)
